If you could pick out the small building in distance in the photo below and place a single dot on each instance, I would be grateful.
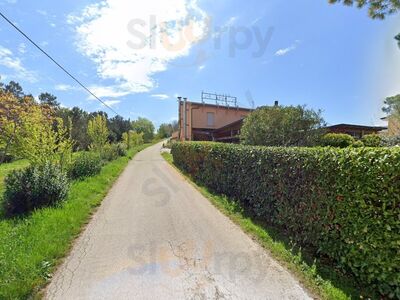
(201, 121)
(356, 131)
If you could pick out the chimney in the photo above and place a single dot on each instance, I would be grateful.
(276, 103)
(179, 99)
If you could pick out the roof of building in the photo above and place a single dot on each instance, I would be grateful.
(223, 106)
(354, 126)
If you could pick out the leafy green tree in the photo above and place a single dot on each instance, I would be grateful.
(98, 132)
(11, 111)
(282, 126)
(15, 89)
(392, 105)
(145, 126)
(49, 99)
(118, 125)
(43, 138)
(132, 138)
(165, 130)
(377, 9)
(78, 130)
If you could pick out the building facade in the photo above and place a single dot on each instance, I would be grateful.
(201, 121)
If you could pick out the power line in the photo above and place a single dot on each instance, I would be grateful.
(59, 65)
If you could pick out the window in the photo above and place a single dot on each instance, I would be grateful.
(210, 119)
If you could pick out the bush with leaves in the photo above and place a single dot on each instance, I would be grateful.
(282, 126)
(86, 164)
(357, 144)
(391, 141)
(132, 138)
(34, 187)
(372, 140)
(340, 140)
(121, 149)
(111, 152)
(341, 203)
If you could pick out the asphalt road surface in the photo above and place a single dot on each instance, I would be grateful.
(156, 237)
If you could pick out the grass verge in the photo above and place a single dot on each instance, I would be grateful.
(310, 273)
(31, 247)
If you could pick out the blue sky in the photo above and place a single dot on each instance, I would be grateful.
(130, 54)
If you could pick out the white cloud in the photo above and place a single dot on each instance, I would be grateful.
(66, 87)
(285, 51)
(104, 37)
(10, 61)
(112, 102)
(200, 68)
(160, 96)
(22, 48)
(41, 12)
(44, 43)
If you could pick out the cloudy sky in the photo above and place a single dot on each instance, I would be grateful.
(139, 55)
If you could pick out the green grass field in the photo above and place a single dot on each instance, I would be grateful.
(31, 247)
(320, 279)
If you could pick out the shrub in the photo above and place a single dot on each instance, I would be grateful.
(108, 153)
(34, 187)
(85, 165)
(343, 203)
(282, 126)
(340, 140)
(372, 140)
(358, 144)
(391, 141)
(121, 149)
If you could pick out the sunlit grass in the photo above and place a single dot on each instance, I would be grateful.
(31, 247)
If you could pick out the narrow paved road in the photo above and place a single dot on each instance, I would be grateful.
(156, 237)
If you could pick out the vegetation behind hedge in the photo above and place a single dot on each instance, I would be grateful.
(343, 203)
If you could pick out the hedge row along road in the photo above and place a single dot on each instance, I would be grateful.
(340, 203)
(156, 237)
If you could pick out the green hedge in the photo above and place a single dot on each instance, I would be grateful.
(343, 203)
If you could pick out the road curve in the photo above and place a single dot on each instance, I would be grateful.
(156, 237)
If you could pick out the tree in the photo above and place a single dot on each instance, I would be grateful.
(15, 89)
(11, 111)
(165, 131)
(32, 132)
(118, 125)
(377, 9)
(282, 126)
(78, 128)
(392, 105)
(132, 138)
(145, 126)
(49, 99)
(98, 132)
(43, 138)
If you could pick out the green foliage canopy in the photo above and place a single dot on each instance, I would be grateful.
(282, 126)
(377, 9)
(145, 126)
